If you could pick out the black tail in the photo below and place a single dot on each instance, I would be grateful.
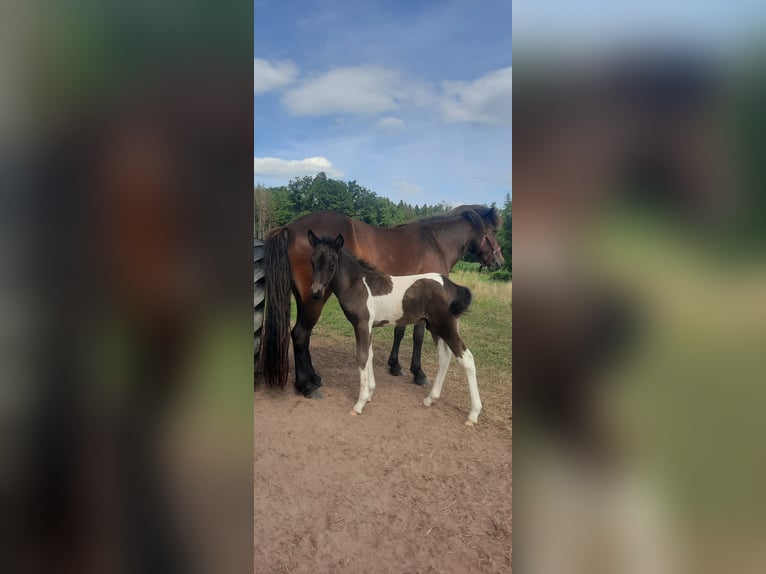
(461, 301)
(276, 334)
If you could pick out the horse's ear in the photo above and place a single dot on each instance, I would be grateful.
(313, 239)
(339, 241)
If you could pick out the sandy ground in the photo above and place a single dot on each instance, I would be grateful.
(401, 488)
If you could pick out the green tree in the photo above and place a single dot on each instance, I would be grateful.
(505, 233)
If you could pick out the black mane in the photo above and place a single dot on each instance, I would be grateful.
(484, 212)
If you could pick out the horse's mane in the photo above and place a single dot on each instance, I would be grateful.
(487, 214)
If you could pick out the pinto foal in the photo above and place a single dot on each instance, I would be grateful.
(370, 298)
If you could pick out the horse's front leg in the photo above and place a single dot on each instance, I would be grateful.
(364, 362)
(307, 381)
(418, 332)
(370, 374)
(393, 359)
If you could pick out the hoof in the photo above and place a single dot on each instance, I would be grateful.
(421, 381)
(395, 369)
(354, 413)
(470, 424)
(427, 401)
(315, 394)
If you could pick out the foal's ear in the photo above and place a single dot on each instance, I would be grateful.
(313, 239)
(339, 241)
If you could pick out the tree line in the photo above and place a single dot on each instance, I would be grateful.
(275, 206)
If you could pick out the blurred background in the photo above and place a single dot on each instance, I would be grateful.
(640, 287)
(125, 272)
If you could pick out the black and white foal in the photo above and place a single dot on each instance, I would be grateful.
(370, 298)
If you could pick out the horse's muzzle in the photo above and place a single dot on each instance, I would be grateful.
(496, 264)
(316, 295)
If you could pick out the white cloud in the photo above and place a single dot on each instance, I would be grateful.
(390, 124)
(272, 166)
(407, 187)
(486, 100)
(270, 76)
(353, 90)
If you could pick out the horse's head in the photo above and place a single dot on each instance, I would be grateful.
(324, 262)
(484, 245)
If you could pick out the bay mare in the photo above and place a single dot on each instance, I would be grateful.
(429, 245)
(370, 299)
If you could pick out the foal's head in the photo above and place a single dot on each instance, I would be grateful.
(324, 262)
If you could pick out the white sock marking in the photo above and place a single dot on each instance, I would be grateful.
(467, 362)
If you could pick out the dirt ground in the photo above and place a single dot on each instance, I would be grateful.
(401, 488)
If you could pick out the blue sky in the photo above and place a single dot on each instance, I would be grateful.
(412, 99)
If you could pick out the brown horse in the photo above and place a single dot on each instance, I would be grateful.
(429, 245)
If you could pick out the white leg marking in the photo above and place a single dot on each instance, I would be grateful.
(364, 390)
(370, 375)
(467, 362)
(445, 355)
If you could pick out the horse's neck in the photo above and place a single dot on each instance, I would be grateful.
(452, 239)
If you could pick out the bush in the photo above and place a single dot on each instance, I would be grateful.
(501, 275)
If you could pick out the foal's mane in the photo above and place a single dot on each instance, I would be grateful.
(366, 266)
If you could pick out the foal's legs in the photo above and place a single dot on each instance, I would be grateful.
(445, 355)
(370, 374)
(452, 343)
(467, 362)
(364, 362)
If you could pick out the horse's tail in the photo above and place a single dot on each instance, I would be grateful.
(276, 335)
(461, 301)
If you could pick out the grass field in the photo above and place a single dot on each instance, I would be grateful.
(486, 329)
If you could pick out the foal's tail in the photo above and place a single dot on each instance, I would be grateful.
(461, 301)
(276, 335)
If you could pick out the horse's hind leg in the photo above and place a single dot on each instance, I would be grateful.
(393, 359)
(445, 355)
(454, 344)
(418, 332)
(469, 365)
(306, 379)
